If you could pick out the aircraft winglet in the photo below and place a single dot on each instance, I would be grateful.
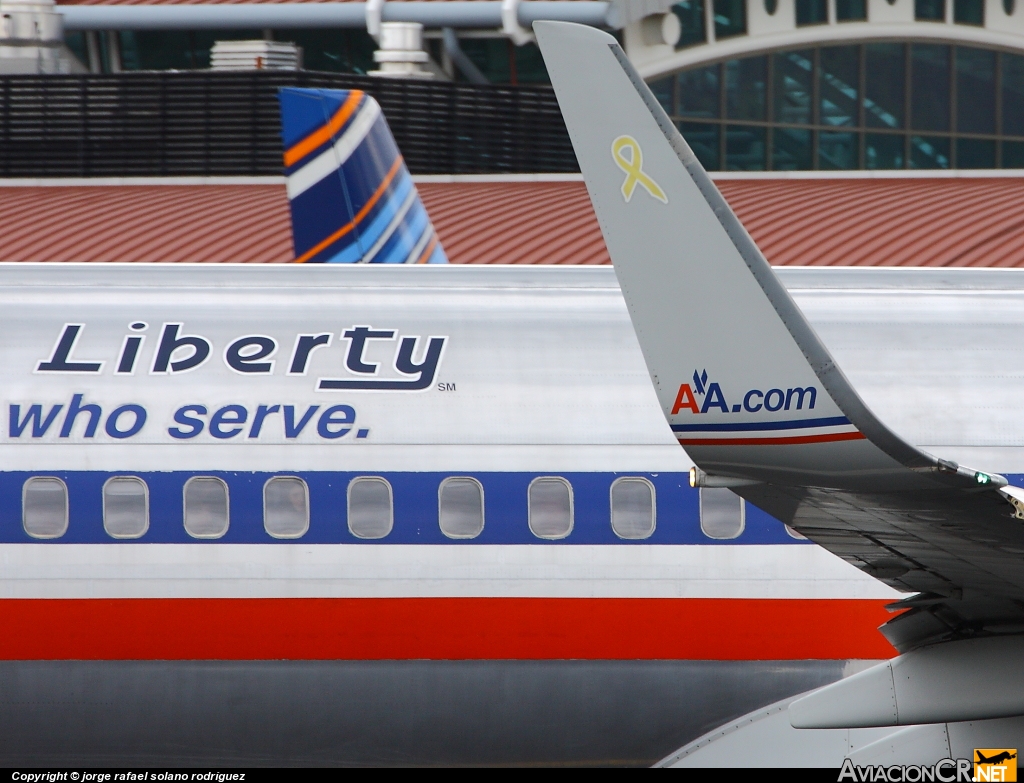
(749, 389)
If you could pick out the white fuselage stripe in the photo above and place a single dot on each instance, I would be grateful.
(418, 570)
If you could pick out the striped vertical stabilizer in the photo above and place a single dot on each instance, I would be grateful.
(351, 196)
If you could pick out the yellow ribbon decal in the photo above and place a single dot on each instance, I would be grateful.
(633, 166)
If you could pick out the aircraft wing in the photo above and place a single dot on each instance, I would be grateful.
(749, 389)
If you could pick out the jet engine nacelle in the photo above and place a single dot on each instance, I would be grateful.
(969, 680)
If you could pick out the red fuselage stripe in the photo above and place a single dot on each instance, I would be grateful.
(789, 441)
(441, 628)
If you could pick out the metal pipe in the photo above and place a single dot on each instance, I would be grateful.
(114, 51)
(578, 11)
(485, 14)
(460, 59)
(463, 13)
(93, 52)
(211, 17)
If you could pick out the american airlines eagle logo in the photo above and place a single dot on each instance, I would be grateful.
(703, 396)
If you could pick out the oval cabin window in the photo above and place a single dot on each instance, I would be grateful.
(633, 508)
(771, 6)
(44, 507)
(550, 507)
(1008, 6)
(460, 507)
(286, 507)
(370, 507)
(206, 507)
(125, 507)
(722, 513)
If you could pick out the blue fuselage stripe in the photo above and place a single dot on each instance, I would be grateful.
(796, 424)
(415, 509)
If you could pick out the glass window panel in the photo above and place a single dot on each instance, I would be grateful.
(370, 508)
(883, 151)
(691, 20)
(839, 76)
(975, 154)
(698, 92)
(75, 41)
(929, 152)
(745, 82)
(930, 10)
(633, 508)
(286, 507)
(771, 6)
(975, 90)
(722, 513)
(730, 18)
(884, 85)
(530, 68)
(1013, 154)
(703, 140)
(791, 149)
(206, 507)
(969, 12)
(1013, 94)
(838, 151)
(745, 148)
(663, 91)
(125, 507)
(929, 85)
(460, 507)
(811, 12)
(851, 10)
(44, 507)
(1008, 6)
(491, 56)
(160, 49)
(793, 87)
(551, 509)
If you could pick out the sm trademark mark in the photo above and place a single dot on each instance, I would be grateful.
(445, 386)
(754, 400)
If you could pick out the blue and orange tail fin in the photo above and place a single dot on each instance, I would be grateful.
(351, 196)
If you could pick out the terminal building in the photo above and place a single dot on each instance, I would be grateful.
(755, 85)
(843, 84)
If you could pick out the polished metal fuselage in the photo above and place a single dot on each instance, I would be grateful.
(546, 376)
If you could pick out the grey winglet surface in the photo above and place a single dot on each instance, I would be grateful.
(744, 381)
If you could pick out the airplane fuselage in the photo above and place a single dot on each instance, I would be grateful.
(424, 505)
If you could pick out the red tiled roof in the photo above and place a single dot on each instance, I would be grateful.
(912, 221)
(515, 223)
(214, 223)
